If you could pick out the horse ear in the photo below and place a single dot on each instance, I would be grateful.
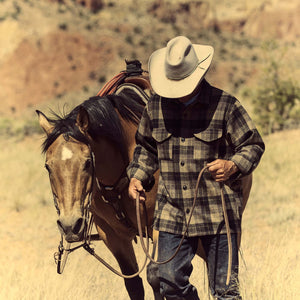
(82, 120)
(44, 122)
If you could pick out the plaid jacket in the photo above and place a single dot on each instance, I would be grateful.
(180, 141)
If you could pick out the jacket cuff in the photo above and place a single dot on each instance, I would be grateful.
(245, 166)
(137, 173)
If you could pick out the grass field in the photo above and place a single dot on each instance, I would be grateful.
(270, 267)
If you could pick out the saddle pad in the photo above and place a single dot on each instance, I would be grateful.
(143, 94)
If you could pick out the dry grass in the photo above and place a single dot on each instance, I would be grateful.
(29, 236)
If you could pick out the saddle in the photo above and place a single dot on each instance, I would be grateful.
(132, 78)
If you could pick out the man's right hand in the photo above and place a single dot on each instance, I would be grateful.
(135, 187)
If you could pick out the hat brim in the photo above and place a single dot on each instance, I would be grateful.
(168, 88)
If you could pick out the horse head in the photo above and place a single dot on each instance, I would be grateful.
(70, 167)
(95, 140)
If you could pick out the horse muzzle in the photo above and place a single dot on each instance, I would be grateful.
(72, 228)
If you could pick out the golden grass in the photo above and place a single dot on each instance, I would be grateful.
(29, 236)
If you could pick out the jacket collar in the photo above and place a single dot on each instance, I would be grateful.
(203, 96)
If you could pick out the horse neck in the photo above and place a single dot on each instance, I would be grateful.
(129, 130)
(109, 161)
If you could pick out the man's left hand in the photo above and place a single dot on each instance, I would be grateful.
(222, 169)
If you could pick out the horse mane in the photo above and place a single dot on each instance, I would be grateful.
(103, 118)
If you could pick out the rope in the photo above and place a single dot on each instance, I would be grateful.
(228, 234)
(62, 255)
(186, 230)
(110, 87)
(86, 245)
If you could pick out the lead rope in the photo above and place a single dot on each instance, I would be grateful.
(186, 230)
(228, 234)
(63, 253)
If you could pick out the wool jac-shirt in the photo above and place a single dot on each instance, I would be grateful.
(180, 140)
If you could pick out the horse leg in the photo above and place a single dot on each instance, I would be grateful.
(122, 250)
(153, 280)
(152, 270)
(133, 285)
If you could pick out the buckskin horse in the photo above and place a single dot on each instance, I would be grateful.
(94, 143)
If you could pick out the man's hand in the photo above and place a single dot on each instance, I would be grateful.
(136, 186)
(221, 169)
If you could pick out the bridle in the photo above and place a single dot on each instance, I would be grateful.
(112, 195)
(61, 256)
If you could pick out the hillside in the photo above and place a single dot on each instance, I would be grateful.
(59, 51)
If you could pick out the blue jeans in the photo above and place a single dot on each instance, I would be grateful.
(174, 276)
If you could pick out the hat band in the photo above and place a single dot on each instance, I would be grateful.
(187, 74)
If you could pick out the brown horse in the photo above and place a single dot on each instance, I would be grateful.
(94, 143)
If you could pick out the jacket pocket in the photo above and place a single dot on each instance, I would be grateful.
(163, 143)
(207, 144)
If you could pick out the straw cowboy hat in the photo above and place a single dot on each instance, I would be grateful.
(176, 70)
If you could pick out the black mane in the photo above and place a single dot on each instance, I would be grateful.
(104, 121)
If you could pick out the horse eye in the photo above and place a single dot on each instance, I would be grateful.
(47, 168)
(87, 164)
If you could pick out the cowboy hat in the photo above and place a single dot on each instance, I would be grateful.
(176, 70)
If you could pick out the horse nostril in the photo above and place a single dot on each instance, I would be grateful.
(61, 226)
(78, 226)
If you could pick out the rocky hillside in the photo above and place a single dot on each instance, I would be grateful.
(62, 49)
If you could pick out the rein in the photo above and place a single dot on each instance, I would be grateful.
(187, 227)
(63, 252)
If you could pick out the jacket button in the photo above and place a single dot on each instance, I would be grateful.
(182, 163)
(187, 211)
(184, 187)
(183, 139)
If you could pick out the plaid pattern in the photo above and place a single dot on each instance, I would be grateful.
(180, 141)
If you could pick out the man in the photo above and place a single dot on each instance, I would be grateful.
(186, 125)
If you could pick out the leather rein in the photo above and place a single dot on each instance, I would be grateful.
(187, 227)
(117, 189)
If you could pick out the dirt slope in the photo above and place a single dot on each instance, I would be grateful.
(49, 49)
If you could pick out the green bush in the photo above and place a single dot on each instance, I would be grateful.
(277, 99)
(18, 128)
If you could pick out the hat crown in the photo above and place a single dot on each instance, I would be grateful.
(181, 59)
(177, 69)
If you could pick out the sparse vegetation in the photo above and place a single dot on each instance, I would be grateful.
(18, 127)
(277, 98)
(122, 30)
(63, 26)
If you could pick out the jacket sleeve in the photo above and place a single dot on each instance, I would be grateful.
(145, 161)
(245, 139)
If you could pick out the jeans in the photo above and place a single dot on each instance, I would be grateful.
(174, 276)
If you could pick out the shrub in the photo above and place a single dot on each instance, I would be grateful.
(276, 101)
(63, 26)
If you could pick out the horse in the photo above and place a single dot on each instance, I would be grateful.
(95, 143)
